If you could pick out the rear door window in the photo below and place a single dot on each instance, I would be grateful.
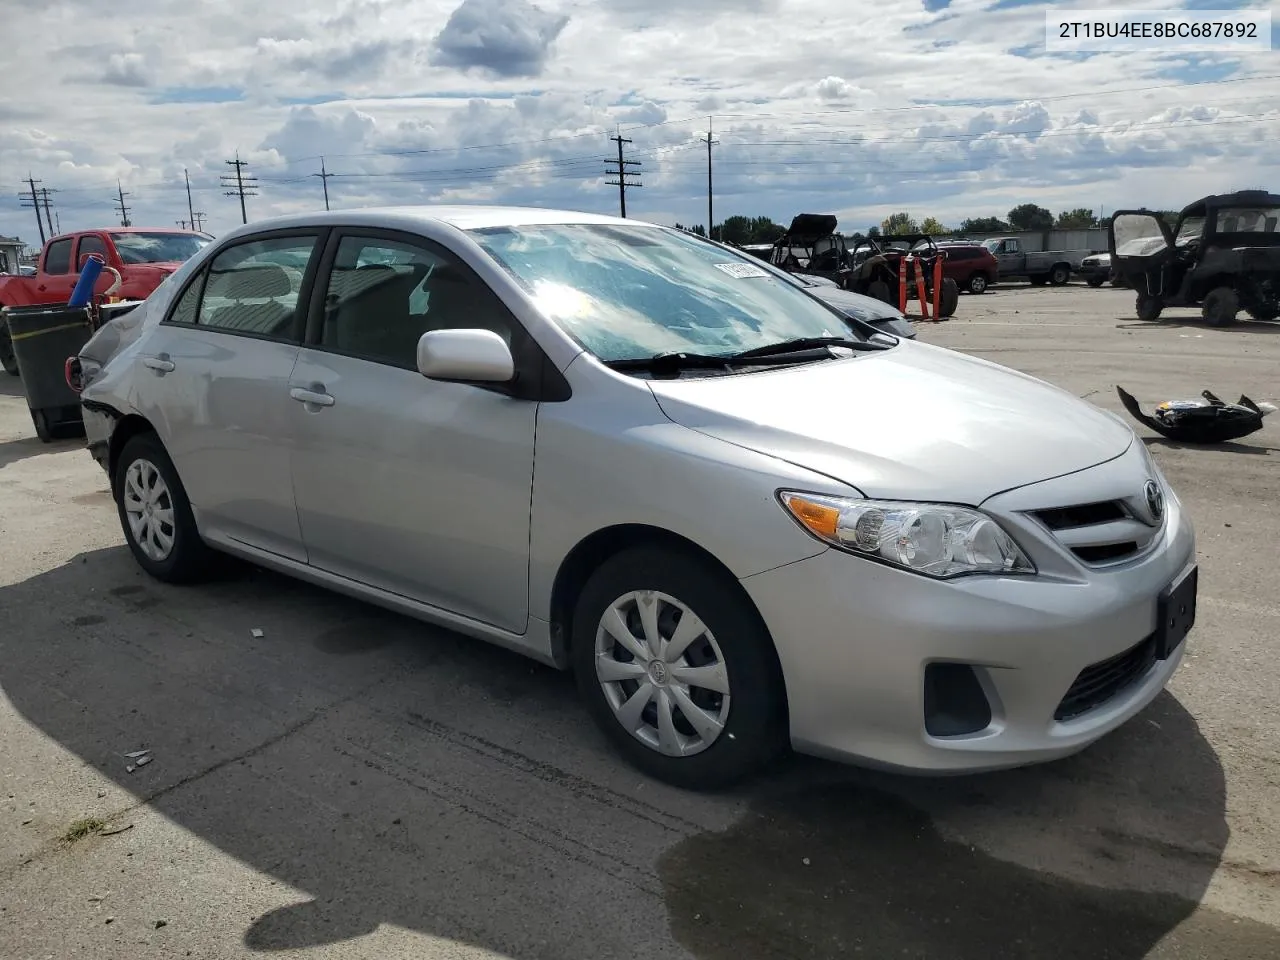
(57, 259)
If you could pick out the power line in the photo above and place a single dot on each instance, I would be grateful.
(120, 207)
(324, 180)
(620, 171)
(241, 184)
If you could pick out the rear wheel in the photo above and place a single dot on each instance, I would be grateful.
(155, 513)
(7, 358)
(977, 283)
(950, 298)
(678, 670)
(1149, 308)
(43, 429)
(1059, 275)
(1221, 304)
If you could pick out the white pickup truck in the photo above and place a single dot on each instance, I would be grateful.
(1040, 267)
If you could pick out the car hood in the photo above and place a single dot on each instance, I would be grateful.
(914, 422)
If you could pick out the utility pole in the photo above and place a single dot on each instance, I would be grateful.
(324, 179)
(34, 204)
(190, 210)
(710, 143)
(240, 184)
(120, 207)
(57, 219)
(620, 171)
(197, 223)
(44, 200)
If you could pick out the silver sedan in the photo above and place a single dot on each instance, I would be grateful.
(745, 520)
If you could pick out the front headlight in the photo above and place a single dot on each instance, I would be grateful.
(934, 539)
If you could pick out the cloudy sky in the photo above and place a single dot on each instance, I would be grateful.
(946, 108)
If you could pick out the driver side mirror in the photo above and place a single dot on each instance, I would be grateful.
(468, 356)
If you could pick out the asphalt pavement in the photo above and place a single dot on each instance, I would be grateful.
(327, 780)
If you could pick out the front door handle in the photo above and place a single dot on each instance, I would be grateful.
(160, 364)
(311, 397)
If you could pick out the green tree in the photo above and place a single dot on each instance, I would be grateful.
(873, 231)
(933, 227)
(898, 223)
(1081, 218)
(699, 229)
(743, 230)
(1029, 216)
(983, 225)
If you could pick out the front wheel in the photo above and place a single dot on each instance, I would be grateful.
(156, 514)
(1149, 308)
(678, 670)
(879, 290)
(977, 283)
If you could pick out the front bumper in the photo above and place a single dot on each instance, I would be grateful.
(854, 639)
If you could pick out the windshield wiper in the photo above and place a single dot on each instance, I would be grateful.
(802, 344)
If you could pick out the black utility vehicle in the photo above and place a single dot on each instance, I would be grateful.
(1223, 255)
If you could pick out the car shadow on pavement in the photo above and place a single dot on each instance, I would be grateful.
(399, 774)
(11, 451)
(1193, 322)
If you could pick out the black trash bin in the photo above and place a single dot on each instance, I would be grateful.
(43, 338)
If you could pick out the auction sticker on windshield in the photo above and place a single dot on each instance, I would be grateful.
(742, 270)
(1125, 30)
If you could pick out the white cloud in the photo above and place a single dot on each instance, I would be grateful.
(949, 113)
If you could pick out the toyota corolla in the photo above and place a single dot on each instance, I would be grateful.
(746, 521)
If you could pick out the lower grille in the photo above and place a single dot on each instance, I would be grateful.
(1099, 683)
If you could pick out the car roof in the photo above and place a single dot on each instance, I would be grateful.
(1251, 198)
(462, 216)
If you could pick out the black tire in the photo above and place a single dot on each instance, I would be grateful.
(754, 732)
(190, 558)
(1220, 306)
(977, 283)
(1148, 308)
(879, 290)
(1264, 313)
(1094, 281)
(41, 422)
(1059, 275)
(950, 298)
(7, 357)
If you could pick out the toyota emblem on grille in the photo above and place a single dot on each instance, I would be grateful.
(1155, 500)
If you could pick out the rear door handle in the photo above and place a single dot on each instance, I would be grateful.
(311, 397)
(161, 364)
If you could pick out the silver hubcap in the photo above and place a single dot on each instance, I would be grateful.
(148, 507)
(662, 672)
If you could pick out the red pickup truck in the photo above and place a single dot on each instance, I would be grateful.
(143, 257)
